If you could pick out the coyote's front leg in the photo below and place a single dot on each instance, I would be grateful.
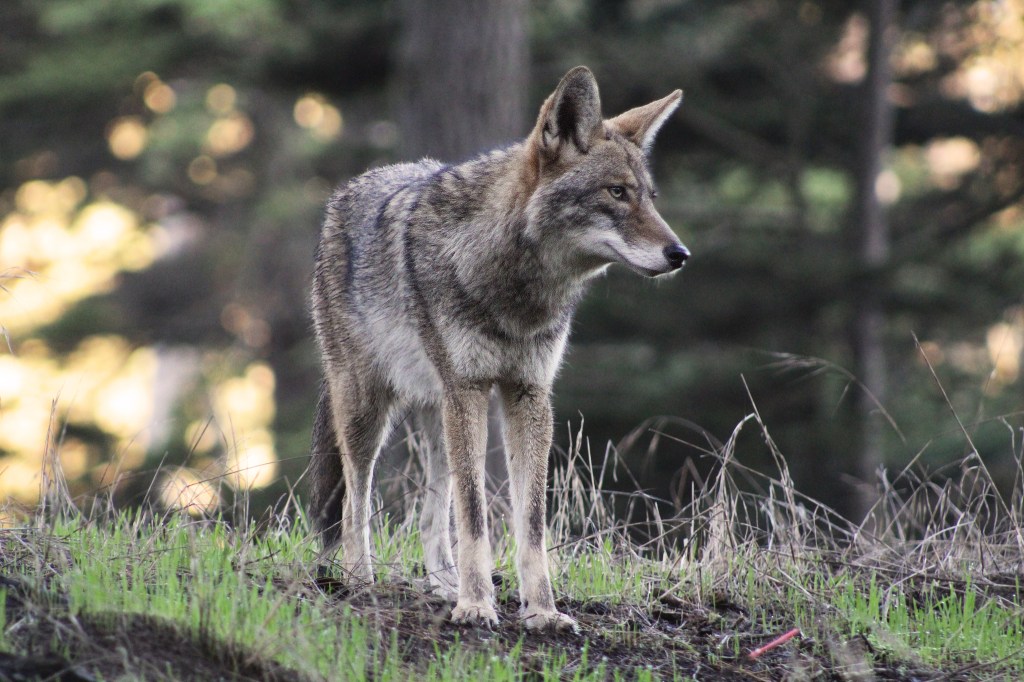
(528, 427)
(465, 434)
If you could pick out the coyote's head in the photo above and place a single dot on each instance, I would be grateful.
(593, 194)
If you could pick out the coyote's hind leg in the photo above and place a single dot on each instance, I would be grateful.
(361, 421)
(435, 516)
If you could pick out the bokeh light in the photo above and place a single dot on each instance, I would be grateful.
(59, 247)
(127, 137)
(202, 170)
(229, 134)
(949, 159)
(159, 97)
(1005, 343)
(221, 98)
(55, 253)
(189, 491)
(322, 119)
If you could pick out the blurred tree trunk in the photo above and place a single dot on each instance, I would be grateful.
(463, 76)
(871, 231)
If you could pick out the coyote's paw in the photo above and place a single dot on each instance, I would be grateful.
(482, 615)
(537, 621)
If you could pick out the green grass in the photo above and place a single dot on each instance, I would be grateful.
(253, 590)
(206, 578)
(942, 625)
(711, 586)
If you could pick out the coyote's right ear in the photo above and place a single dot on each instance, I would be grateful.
(641, 124)
(571, 115)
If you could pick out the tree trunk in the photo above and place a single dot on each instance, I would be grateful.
(463, 67)
(463, 76)
(873, 245)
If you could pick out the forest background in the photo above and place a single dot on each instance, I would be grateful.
(848, 176)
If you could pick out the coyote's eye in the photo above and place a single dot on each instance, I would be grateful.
(617, 192)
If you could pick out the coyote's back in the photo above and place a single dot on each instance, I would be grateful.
(435, 283)
(350, 303)
(361, 291)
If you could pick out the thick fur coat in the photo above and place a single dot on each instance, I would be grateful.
(434, 284)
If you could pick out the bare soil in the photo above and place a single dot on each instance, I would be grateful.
(671, 639)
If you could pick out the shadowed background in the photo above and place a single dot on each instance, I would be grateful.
(847, 175)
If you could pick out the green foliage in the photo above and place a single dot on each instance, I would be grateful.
(757, 173)
(828, 194)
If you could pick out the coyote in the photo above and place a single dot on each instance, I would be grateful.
(435, 283)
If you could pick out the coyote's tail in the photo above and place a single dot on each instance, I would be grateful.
(326, 482)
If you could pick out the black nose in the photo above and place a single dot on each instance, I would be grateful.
(676, 254)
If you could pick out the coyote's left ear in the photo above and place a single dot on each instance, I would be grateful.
(641, 124)
(570, 116)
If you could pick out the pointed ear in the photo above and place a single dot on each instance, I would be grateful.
(571, 115)
(641, 124)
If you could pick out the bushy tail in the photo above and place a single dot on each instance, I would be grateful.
(327, 484)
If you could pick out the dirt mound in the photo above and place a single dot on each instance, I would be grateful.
(108, 645)
(667, 639)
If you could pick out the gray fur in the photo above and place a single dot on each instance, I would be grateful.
(325, 475)
(435, 283)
